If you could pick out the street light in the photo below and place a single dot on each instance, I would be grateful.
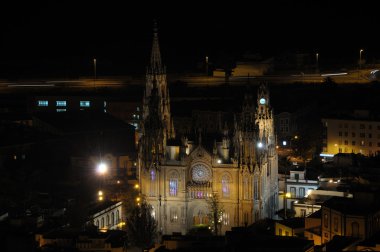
(317, 60)
(102, 168)
(360, 58)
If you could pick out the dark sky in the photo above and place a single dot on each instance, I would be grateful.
(63, 38)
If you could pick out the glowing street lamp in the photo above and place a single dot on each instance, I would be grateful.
(102, 168)
(100, 195)
(260, 145)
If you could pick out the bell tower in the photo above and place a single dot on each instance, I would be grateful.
(266, 152)
(157, 125)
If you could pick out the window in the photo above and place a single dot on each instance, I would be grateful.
(107, 220)
(61, 110)
(362, 143)
(346, 134)
(43, 103)
(279, 231)
(152, 183)
(340, 133)
(335, 224)
(369, 135)
(117, 217)
(353, 143)
(225, 186)
(353, 134)
(362, 135)
(173, 184)
(325, 220)
(84, 103)
(60, 103)
(112, 219)
(345, 142)
(256, 187)
(302, 192)
(102, 223)
(286, 233)
(293, 192)
(97, 223)
(297, 176)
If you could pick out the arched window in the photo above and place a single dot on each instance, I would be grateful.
(355, 229)
(97, 223)
(102, 223)
(173, 184)
(225, 186)
(152, 183)
(256, 187)
(107, 220)
(112, 219)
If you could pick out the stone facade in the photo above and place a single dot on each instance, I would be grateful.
(178, 174)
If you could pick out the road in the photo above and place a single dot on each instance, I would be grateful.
(353, 76)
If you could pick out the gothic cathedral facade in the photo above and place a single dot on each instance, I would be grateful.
(177, 174)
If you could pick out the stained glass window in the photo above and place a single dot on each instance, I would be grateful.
(173, 184)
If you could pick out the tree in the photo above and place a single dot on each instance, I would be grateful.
(142, 226)
(215, 211)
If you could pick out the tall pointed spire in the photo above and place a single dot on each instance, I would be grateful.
(155, 66)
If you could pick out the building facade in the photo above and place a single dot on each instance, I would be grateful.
(177, 173)
(355, 135)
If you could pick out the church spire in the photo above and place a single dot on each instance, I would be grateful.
(155, 66)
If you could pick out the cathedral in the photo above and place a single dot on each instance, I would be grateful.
(178, 172)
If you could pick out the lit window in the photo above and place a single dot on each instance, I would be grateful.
(152, 183)
(173, 184)
(61, 110)
(43, 103)
(84, 103)
(60, 103)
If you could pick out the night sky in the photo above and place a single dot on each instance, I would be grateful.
(61, 39)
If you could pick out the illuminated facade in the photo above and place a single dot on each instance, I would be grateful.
(351, 136)
(178, 173)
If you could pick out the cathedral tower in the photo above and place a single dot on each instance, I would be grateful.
(157, 125)
(266, 154)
